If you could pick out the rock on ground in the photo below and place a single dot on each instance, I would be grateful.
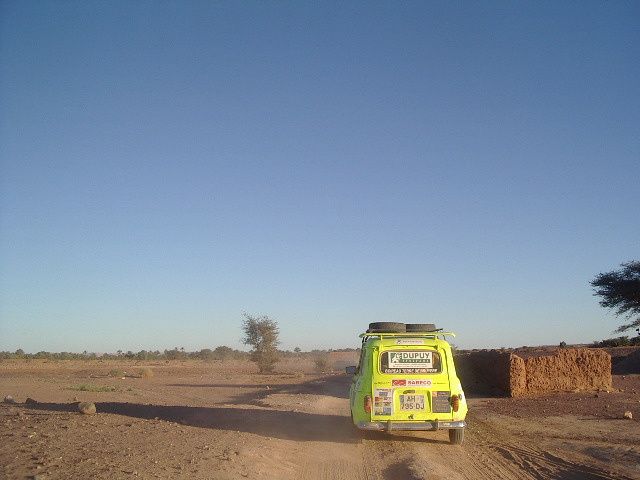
(87, 408)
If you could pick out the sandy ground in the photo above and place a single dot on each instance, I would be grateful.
(223, 421)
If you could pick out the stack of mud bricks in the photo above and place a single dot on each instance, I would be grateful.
(506, 373)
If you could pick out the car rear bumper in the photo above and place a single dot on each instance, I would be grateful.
(424, 425)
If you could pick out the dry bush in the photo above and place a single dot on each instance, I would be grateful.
(321, 363)
(146, 372)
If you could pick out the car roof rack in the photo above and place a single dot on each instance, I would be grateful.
(433, 334)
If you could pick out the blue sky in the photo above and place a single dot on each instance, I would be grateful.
(165, 166)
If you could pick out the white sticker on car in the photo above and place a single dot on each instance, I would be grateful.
(409, 341)
(414, 359)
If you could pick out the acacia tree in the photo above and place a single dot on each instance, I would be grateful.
(262, 334)
(620, 291)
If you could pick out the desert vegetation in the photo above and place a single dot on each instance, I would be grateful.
(619, 291)
(88, 387)
(261, 333)
(217, 354)
(624, 341)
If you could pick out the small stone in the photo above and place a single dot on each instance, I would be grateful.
(9, 399)
(30, 401)
(86, 408)
(628, 415)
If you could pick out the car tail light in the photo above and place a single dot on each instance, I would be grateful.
(455, 402)
(367, 404)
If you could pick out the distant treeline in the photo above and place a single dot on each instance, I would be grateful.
(220, 353)
(618, 342)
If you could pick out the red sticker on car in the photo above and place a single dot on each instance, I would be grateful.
(410, 383)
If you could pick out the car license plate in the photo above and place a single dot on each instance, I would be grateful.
(411, 402)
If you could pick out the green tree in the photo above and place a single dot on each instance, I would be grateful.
(205, 354)
(620, 291)
(223, 353)
(174, 354)
(262, 334)
(142, 355)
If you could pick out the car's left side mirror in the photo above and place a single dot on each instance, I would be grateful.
(351, 370)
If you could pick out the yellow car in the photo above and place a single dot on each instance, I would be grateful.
(406, 380)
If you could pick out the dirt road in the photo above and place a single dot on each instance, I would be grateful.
(198, 422)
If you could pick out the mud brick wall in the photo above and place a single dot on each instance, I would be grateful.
(507, 373)
(486, 372)
(567, 369)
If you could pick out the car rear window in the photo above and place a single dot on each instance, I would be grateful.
(410, 361)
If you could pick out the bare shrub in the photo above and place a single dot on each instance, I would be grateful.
(146, 372)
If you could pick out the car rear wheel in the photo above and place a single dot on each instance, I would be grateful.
(387, 327)
(456, 435)
(421, 327)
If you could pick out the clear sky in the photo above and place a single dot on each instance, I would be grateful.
(165, 166)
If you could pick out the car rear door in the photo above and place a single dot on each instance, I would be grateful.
(419, 386)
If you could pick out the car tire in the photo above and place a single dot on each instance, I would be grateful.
(421, 327)
(387, 327)
(456, 436)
